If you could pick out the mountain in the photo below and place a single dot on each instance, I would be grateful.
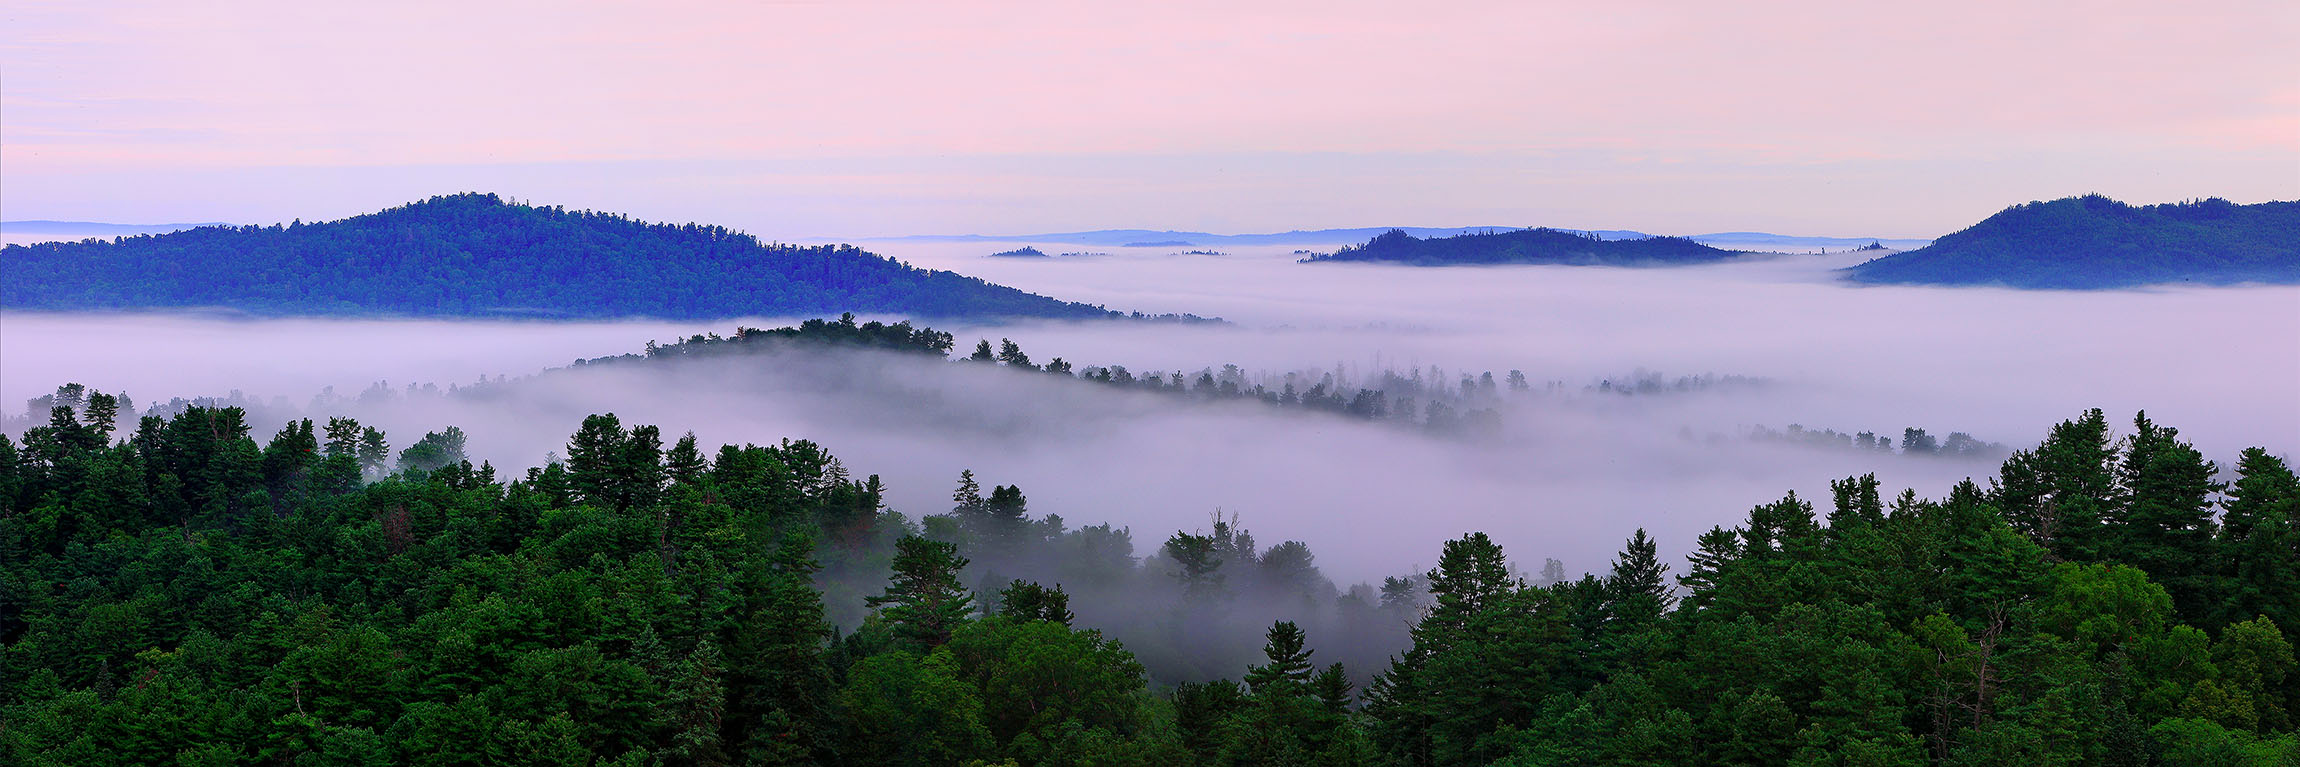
(1528, 246)
(1170, 238)
(1765, 241)
(2093, 242)
(476, 255)
(1149, 237)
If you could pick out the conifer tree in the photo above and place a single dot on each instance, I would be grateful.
(2165, 527)
(1027, 601)
(2059, 493)
(1288, 671)
(1637, 592)
(2256, 557)
(684, 463)
(924, 603)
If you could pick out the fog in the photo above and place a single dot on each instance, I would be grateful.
(1569, 475)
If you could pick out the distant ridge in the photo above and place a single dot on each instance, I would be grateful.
(1125, 237)
(95, 228)
(2093, 242)
(471, 254)
(1527, 246)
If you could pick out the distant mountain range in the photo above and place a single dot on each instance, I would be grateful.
(94, 228)
(2094, 242)
(476, 255)
(1167, 238)
(1528, 246)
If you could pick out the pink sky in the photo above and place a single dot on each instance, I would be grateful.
(804, 119)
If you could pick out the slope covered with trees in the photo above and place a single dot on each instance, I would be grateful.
(1527, 246)
(478, 255)
(181, 593)
(2094, 242)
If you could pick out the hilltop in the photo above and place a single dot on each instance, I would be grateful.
(1751, 241)
(2093, 242)
(471, 254)
(1528, 246)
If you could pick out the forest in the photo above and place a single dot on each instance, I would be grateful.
(1527, 246)
(478, 255)
(2093, 242)
(181, 592)
(1458, 404)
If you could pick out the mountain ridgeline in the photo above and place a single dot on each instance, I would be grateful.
(2093, 242)
(1528, 246)
(477, 255)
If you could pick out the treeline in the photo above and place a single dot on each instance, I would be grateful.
(467, 255)
(1526, 246)
(843, 332)
(187, 594)
(1431, 399)
(1914, 442)
(181, 594)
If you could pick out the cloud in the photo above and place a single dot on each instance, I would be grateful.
(1570, 474)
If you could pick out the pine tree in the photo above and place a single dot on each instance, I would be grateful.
(591, 458)
(1198, 566)
(684, 463)
(2256, 558)
(924, 602)
(103, 413)
(1637, 592)
(2165, 527)
(638, 469)
(2059, 493)
(966, 501)
(342, 437)
(698, 702)
(374, 452)
(1287, 674)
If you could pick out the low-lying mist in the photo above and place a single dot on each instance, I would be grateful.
(1569, 474)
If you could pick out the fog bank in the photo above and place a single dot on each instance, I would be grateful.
(1570, 474)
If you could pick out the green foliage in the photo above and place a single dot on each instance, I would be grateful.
(181, 594)
(925, 603)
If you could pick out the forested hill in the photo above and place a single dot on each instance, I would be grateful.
(2094, 242)
(478, 255)
(1528, 246)
(181, 593)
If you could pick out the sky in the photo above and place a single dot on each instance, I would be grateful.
(853, 119)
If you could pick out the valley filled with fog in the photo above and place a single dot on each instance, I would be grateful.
(1572, 469)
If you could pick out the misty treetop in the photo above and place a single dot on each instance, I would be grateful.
(1457, 404)
(179, 592)
(2095, 242)
(1527, 246)
(468, 255)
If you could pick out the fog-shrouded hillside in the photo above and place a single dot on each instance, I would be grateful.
(1528, 246)
(2094, 242)
(469, 255)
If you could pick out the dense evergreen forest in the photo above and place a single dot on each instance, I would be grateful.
(468, 255)
(179, 592)
(2094, 242)
(1527, 246)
